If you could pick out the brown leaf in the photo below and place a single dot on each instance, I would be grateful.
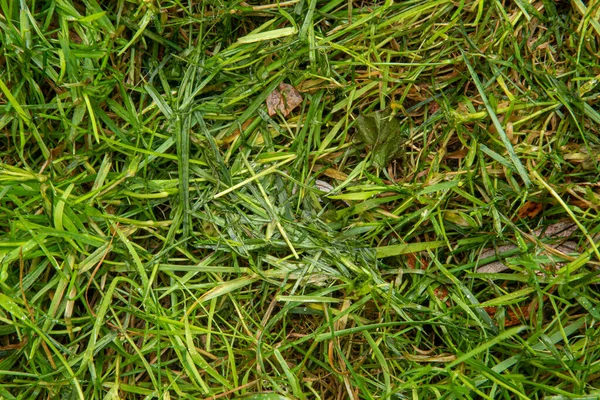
(237, 132)
(284, 99)
(529, 210)
(514, 318)
(335, 174)
(560, 230)
(492, 268)
(411, 260)
(511, 318)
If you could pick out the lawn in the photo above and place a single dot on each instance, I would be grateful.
(308, 199)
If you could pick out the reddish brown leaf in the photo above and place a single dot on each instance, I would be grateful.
(515, 319)
(441, 293)
(529, 210)
(284, 99)
(411, 260)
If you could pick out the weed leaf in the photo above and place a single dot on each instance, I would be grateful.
(383, 134)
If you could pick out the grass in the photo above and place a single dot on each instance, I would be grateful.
(162, 235)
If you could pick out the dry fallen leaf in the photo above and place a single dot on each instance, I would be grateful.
(335, 174)
(529, 210)
(559, 230)
(496, 266)
(284, 99)
(511, 317)
(562, 229)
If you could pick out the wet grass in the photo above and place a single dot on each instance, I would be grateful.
(163, 235)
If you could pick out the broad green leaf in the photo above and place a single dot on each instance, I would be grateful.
(384, 135)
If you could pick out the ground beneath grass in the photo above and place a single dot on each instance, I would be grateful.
(299, 200)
